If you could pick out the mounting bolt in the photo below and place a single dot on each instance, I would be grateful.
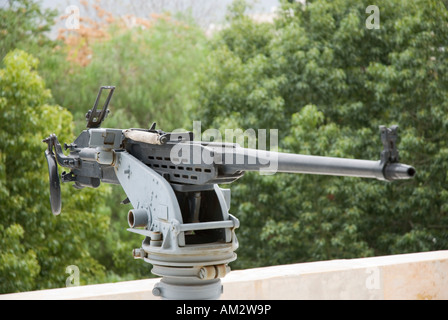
(138, 253)
(207, 273)
(156, 291)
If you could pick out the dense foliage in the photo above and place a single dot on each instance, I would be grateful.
(152, 66)
(23, 25)
(317, 74)
(35, 246)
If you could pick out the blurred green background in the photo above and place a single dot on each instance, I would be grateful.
(313, 71)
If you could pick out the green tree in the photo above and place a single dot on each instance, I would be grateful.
(152, 67)
(36, 247)
(327, 82)
(23, 25)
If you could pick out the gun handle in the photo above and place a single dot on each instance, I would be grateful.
(55, 186)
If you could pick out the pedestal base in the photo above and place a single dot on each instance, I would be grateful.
(188, 289)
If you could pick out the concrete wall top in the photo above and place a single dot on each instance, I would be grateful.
(399, 277)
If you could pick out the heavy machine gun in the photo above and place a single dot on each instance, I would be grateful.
(172, 183)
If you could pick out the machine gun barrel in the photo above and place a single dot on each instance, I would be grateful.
(172, 181)
(254, 160)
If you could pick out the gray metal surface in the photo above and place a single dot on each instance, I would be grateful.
(157, 210)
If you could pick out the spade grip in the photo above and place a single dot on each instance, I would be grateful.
(55, 186)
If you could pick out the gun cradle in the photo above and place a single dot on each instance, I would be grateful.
(208, 238)
(178, 207)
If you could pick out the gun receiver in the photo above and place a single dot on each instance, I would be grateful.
(172, 183)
